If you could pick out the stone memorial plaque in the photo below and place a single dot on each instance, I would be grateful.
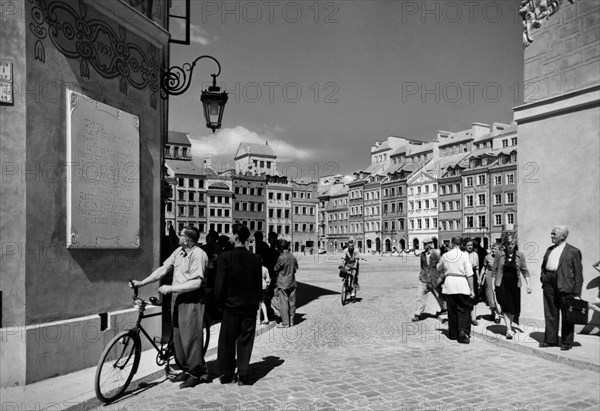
(103, 188)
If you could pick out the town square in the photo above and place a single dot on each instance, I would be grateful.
(300, 205)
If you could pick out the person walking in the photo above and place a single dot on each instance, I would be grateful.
(458, 290)
(266, 280)
(562, 279)
(508, 269)
(490, 296)
(428, 278)
(189, 264)
(238, 286)
(469, 246)
(285, 290)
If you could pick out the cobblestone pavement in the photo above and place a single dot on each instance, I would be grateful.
(368, 356)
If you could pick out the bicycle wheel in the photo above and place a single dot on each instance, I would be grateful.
(345, 291)
(117, 365)
(205, 334)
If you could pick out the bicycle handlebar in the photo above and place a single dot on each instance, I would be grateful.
(151, 300)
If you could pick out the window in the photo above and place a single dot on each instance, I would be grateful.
(419, 224)
(469, 201)
(513, 141)
(435, 222)
(497, 219)
(469, 182)
(426, 223)
(443, 206)
(401, 224)
(191, 182)
(481, 179)
(419, 190)
(481, 221)
(287, 197)
(504, 143)
(457, 188)
(191, 211)
(180, 182)
(498, 199)
(497, 180)
(450, 208)
(443, 190)
(481, 199)
(279, 196)
(181, 194)
(510, 198)
(457, 205)
(169, 207)
(469, 222)
(400, 207)
(510, 218)
(426, 203)
(270, 196)
(434, 188)
(181, 210)
(510, 178)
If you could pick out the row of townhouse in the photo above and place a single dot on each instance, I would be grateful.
(461, 184)
(252, 193)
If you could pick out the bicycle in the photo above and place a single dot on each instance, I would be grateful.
(121, 357)
(348, 286)
(347, 280)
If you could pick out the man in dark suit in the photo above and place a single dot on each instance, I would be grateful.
(238, 288)
(562, 279)
(428, 277)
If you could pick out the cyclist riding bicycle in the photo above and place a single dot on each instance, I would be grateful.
(350, 265)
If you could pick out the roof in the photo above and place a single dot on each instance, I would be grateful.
(508, 130)
(178, 137)
(254, 149)
(421, 149)
(184, 167)
(458, 137)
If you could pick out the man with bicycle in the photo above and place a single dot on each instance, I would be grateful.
(189, 264)
(350, 265)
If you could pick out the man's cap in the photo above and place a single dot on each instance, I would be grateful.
(427, 240)
(191, 233)
(351, 242)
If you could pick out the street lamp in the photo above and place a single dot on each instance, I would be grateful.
(175, 82)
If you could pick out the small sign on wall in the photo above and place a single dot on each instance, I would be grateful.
(103, 191)
(6, 81)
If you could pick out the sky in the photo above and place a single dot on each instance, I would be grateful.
(322, 81)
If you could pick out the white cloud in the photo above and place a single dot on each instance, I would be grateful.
(223, 145)
(198, 34)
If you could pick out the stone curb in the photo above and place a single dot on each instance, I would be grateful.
(95, 404)
(572, 362)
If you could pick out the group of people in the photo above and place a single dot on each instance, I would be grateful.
(241, 282)
(464, 274)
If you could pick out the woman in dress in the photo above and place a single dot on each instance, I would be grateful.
(488, 266)
(507, 272)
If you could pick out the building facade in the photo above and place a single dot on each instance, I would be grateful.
(95, 255)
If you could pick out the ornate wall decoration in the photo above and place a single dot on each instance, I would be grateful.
(97, 44)
(534, 12)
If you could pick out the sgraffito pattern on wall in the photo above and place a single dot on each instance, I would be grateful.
(95, 43)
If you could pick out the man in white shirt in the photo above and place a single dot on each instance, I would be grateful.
(562, 279)
(458, 289)
(189, 264)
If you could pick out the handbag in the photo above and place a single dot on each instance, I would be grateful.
(576, 311)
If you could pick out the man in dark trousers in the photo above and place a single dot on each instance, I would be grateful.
(285, 290)
(562, 278)
(238, 288)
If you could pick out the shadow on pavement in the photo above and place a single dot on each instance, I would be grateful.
(260, 369)
(305, 293)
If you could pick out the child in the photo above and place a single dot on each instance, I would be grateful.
(266, 279)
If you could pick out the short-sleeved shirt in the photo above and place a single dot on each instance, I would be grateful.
(187, 266)
(350, 258)
(457, 267)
